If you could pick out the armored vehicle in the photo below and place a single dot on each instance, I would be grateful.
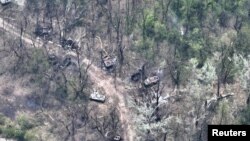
(151, 81)
(96, 96)
(68, 43)
(43, 31)
(109, 62)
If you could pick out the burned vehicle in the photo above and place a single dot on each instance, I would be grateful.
(68, 44)
(109, 62)
(139, 74)
(135, 77)
(150, 81)
(57, 63)
(96, 96)
(43, 31)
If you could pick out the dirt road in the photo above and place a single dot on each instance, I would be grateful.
(97, 76)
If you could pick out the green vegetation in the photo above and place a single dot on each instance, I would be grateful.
(198, 51)
(246, 116)
(20, 130)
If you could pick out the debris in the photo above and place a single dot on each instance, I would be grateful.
(109, 62)
(43, 31)
(151, 81)
(68, 43)
(136, 76)
(117, 138)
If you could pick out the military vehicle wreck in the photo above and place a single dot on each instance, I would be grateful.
(109, 62)
(96, 96)
(136, 76)
(57, 63)
(68, 44)
(150, 81)
(43, 31)
(139, 74)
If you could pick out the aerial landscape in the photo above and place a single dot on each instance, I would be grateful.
(123, 70)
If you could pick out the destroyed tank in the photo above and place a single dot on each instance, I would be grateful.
(68, 44)
(151, 80)
(96, 96)
(109, 62)
(42, 31)
(135, 77)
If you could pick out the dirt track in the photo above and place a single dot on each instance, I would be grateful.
(98, 77)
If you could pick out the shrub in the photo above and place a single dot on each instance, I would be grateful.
(12, 132)
(245, 116)
(30, 136)
(24, 123)
(2, 119)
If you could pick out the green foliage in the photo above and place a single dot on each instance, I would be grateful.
(35, 63)
(25, 123)
(191, 12)
(206, 74)
(229, 66)
(20, 130)
(160, 31)
(242, 42)
(145, 47)
(12, 132)
(183, 72)
(17, 133)
(178, 7)
(195, 42)
(223, 111)
(2, 119)
(38, 62)
(30, 136)
(61, 92)
(153, 28)
(149, 24)
(174, 37)
(245, 116)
